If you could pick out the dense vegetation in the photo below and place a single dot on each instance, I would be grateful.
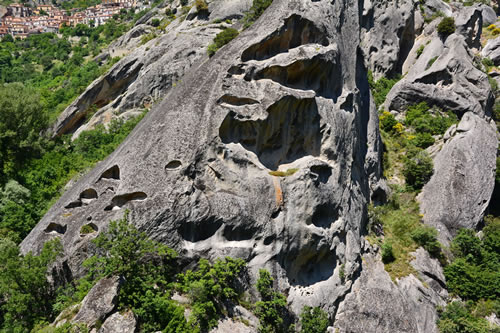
(472, 263)
(381, 87)
(474, 276)
(151, 275)
(39, 77)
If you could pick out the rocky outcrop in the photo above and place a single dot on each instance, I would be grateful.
(99, 302)
(431, 7)
(444, 75)
(469, 23)
(460, 190)
(147, 71)
(492, 50)
(388, 34)
(489, 15)
(117, 322)
(377, 304)
(290, 93)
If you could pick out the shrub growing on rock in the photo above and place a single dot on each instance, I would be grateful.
(222, 38)
(427, 238)
(313, 320)
(387, 253)
(201, 5)
(446, 26)
(387, 121)
(418, 169)
(271, 310)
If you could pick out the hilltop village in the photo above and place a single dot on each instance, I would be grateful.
(21, 21)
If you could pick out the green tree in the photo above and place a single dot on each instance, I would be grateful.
(26, 296)
(22, 119)
(418, 169)
(313, 320)
(209, 288)
(271, 309)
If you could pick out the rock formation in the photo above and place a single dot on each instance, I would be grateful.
(147, 70)
(459, 192)
(289, 94)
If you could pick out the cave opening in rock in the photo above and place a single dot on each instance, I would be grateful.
(290, 131)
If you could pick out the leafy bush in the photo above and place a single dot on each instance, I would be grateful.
(209, 287)
(313, 320)
(21, 121)
(201, 5)
(475, 272)
(387, 122)
(488, 62)
(427, 238)
(26, 295)
(457, 318)
(258, 7)
(128, 253)
(155, 22)
(221, 39)
(446, 26)
(424, 120)
(387, 253)
(418, 169)
(423, 140)
(271, 310)
(381, 88)
(86, 229)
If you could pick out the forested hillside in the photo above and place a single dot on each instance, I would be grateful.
(40, 76)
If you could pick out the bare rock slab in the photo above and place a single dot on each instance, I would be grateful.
(99, 302)
(460, 190)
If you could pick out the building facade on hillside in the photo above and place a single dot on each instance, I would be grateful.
(21, 21)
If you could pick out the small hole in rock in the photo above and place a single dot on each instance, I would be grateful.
(88, 229)
(89, 193)
(173, 165)
(55, 227)
(111, 173)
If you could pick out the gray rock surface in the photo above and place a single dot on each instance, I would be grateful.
(117, 322)
(432, 7)
(430, 271)
(289, 92)
(492, 50)
(489, 15)
(460, 189)
(469, 23)
(444, 75)
(388, 34)
(228, 9)
(99, 302)
(376, 304)
(146, 72)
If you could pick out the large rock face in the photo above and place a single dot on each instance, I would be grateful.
(377, 305)
(147, 71)
(388, 34)
(444, 75)
(290, 92)
(99, 302)
(460, 190)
